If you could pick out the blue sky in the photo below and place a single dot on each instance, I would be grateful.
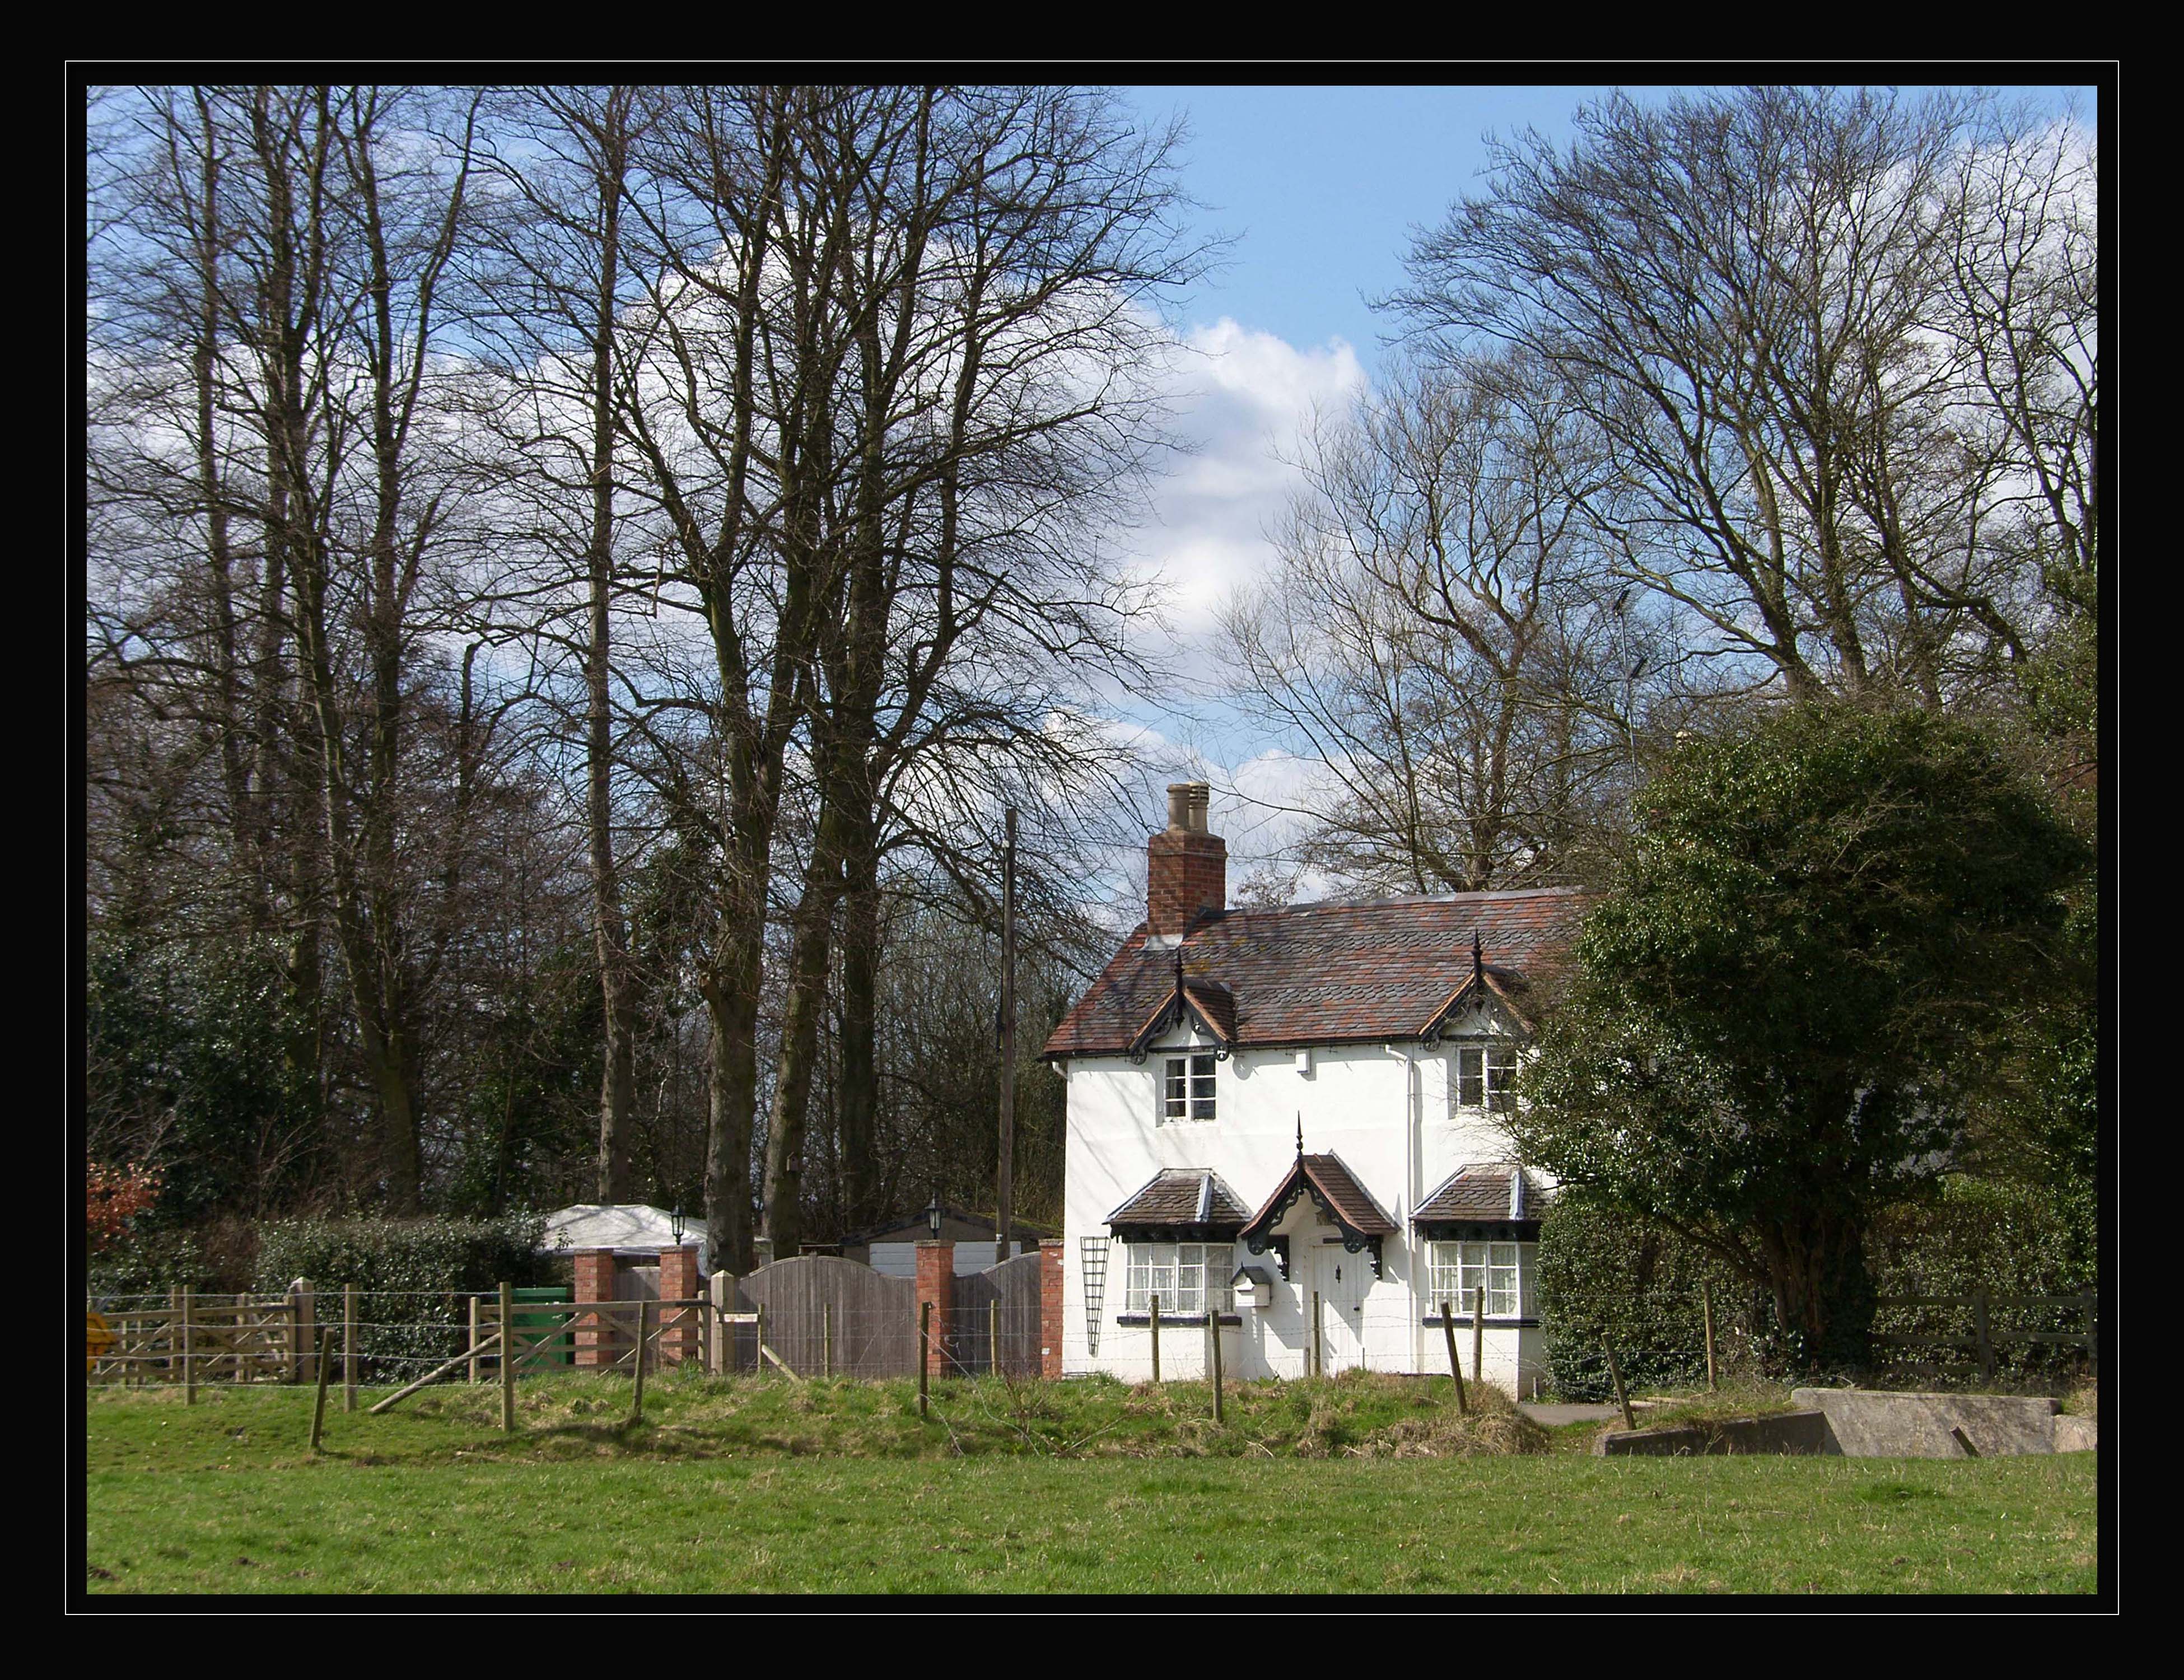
(1323, 185)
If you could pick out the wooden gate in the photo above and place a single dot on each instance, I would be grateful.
(238, 1339)
(1010, 1295)
(824, 1315)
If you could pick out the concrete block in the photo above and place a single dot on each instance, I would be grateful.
(2076, 1434)
(1874, 1424)
(1801, 1432)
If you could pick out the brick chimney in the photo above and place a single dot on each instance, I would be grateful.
(1186, 868)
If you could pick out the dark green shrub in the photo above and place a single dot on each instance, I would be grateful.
(2010, 1239)
(1604, 1279)
(414, 1273)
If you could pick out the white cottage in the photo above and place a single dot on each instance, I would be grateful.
(1269, 1109)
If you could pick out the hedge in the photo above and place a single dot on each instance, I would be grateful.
(416, 1272)
(1605, 1278)
(1606, 1282)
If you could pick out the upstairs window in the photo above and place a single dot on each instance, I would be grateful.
(1187, 1091)
(1485, 1080)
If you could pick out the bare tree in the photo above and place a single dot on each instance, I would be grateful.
(552, 289)
(1441, 636)
(1747, 295)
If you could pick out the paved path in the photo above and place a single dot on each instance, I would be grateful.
(1552, 1416)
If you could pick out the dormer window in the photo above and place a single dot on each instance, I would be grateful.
(1188, 1089)
(1485, 1079)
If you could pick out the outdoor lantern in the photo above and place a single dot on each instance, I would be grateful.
(675, 1224)
(932, 1215)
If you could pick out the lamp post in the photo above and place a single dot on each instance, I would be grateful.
(932, 1215)
(675, 1224)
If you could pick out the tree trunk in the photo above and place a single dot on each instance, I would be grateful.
(1823, 1294)
(732, 1006)
(800, 1050)
(860, 1092)
(617, 983)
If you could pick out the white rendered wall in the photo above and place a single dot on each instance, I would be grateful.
(1384, 1109)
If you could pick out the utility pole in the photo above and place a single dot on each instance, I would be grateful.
(1003, 1215)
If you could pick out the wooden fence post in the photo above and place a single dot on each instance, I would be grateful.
(1981, 1335)
(507, 1358)
(1454, 1363)
(924, 1351)
(1706, 1299)
(1479, 1334)
(1621, 1399)
(1213, 1330)
(325, 1369)
(760, 1366)
(993, 1336)
(1156, 1323)
(306, 1297)
(827, 1339)
(721, 1288)
(637, 1398)
(189, 1353)
(474, 1337)
(349, 1347)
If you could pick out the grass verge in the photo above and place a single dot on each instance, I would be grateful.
(717, 1492)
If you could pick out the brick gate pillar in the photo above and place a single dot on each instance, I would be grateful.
(1049, 1306)
(936, 1283)
(678, 1282)
(595, 1282)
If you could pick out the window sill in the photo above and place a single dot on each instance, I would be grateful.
(1144, 1318)
(1462, 1321)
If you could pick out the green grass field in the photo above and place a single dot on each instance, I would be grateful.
(1352, 1486)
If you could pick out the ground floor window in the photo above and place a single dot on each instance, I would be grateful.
(1184, 1275)
(1505, 1269)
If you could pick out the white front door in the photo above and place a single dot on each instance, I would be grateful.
(1340, 1278)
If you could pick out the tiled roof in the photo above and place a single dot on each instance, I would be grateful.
(1324, 973)
(1182, 1195)
(1338, 1193)
(1482, 1194)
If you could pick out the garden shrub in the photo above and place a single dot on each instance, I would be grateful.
(415, 1272)
(2011, 1239)
(1607, 1280)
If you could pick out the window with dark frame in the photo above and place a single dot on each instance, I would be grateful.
(1485, 1078)
(1188, 1091)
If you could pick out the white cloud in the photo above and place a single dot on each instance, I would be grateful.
(1244, 397)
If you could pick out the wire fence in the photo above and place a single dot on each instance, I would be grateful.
(380, 1339)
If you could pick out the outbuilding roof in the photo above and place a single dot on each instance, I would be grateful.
(1315, 974)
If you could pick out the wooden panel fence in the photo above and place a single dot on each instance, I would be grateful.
(1003, 1299)
(824, 1315)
